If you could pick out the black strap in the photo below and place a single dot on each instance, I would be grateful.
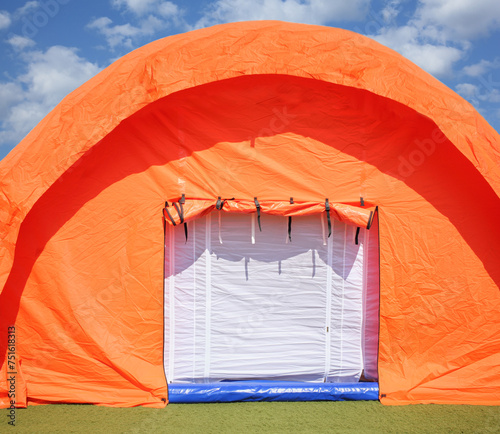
(361, 201)
(183, 199)
(357, 235)
(165, 210)
(180, 210)
(371, 218)
(290, 223)
(257, 205)
(220, 202)
(327, 209)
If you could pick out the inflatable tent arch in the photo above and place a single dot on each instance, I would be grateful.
(264, 110)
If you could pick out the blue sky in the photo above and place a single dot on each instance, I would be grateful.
(50, 47)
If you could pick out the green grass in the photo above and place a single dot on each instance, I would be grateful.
(258, 417)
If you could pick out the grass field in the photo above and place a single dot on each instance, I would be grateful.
(258, 417)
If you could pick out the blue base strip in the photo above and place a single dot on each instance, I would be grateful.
(234, 391)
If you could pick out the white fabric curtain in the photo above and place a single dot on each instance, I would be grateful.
(243, 304)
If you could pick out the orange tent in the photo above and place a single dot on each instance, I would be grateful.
(265, 110)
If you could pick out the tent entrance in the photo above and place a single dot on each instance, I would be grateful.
(241, 304)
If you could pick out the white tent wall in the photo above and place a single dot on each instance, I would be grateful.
(242, 304)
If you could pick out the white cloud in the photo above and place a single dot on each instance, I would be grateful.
(397, 37)
(149, 16)
(138, 7)
(49, 77)
(492, 96)
(152, 7)
(115, 34)
(481, 67)
(169, 9)
(10, 94)
(151, 24)
(100, 23)
(440, 32)
(56, 72)
(304, 11)
(437, 59)
(485, 92)
(390, 10)
(462, 19)
(4, 20)
(20, 42)
(478, 94)
(467, 90)
(26, 8)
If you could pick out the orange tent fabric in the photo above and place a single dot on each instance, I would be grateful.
(260, 109)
